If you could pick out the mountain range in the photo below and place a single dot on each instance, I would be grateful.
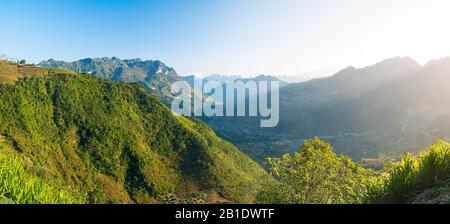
(387, 108)
(112, 142)
(100, 131)
(224, 79)
(154, 75)
(391, 107)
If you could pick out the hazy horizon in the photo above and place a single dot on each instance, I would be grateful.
(248, 38)
(304, 76)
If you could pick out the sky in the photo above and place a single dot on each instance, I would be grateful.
(232, 37)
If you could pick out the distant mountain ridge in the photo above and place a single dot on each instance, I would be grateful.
(224, 78)
(154, 75)
(265, 78)
(361, 111)
(393, 106)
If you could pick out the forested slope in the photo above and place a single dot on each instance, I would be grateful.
(114, 142)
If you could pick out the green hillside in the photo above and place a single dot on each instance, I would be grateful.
(11, 72)
(116, 144)
(75, 138)
(154, 75)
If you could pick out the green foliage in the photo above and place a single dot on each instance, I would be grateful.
(114, 142)
(19, 186)
(315, 175)
(4, 201)
(240, 178)
(434, 195)
(410, 176)
(191, 198)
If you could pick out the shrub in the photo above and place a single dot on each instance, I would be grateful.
(410, 175)
(19, 186)
(315, 175)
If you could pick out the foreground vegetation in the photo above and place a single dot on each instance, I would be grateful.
(317, 175)
(406, 179)
(314, 175)
(17, 185)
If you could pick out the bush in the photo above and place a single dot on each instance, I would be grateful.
(315, 175)
(19, 186)
(410, 176)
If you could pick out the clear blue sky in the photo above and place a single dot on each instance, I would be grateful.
(247, 37)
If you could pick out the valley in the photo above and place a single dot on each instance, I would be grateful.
(224, 111)
(114, 143)
(110, 136)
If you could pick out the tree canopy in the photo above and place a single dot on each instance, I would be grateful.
(314, 175)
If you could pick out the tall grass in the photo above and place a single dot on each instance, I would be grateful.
(411, 175)
(25, 188)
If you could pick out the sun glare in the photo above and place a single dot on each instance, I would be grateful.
(419, 29)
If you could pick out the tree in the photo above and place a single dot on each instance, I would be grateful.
(314, 175)
(22, 62)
